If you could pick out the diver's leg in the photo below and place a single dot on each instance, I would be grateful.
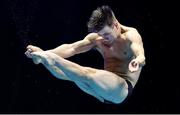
(72, 70)
(86, 88)
(105, 84)
(56, 72)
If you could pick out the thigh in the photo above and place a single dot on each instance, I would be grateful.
(108, 85)
(87, 89)
(107, 80)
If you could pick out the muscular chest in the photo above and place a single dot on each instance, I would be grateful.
(119, 49)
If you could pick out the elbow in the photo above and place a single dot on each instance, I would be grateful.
(141, 59)
(143, 63)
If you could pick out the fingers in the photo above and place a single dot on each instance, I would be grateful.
(133, 69)
(133, 66)
(95, 35)
(100, 38)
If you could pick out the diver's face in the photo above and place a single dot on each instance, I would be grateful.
(109, 33)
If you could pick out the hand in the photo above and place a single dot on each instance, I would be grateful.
(93, 36)
(134, 65)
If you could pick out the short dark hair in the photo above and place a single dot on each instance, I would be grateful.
(100, 17)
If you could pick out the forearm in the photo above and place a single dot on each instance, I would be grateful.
(68, 50)
(63, 51)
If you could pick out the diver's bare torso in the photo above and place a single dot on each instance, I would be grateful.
(104, 85)
(117, 56)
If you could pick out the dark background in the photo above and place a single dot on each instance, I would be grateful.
(29, 88)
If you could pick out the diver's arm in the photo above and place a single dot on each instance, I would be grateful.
(68, 50)
(139, 53)
(137, 46)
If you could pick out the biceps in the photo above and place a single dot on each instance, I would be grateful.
(137, 49)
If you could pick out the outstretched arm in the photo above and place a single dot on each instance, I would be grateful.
(68, 50)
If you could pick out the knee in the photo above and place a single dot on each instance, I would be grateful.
(120, 94)
(120, 99)
(117, 100)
